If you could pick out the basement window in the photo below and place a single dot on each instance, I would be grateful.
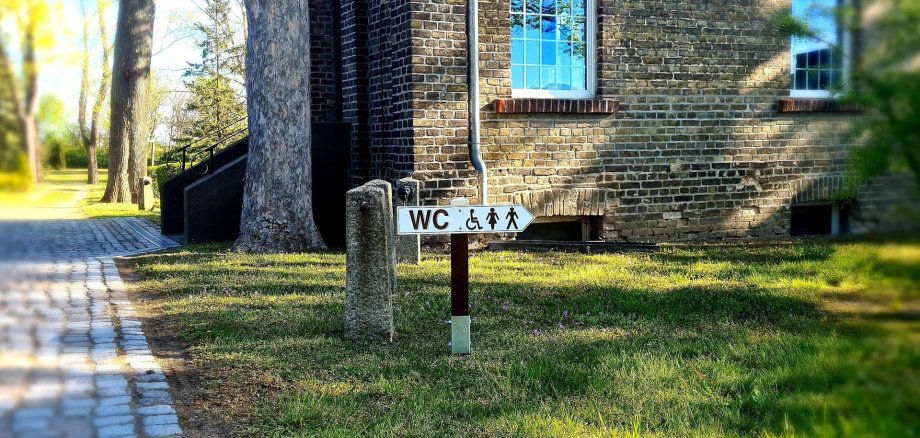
(820, 219)
(564, 229)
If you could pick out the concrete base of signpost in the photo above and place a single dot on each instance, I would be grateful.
(460, 334)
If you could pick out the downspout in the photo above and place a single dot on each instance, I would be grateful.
(472, 38)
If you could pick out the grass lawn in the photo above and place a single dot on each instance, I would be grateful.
(64, 194)
(805, 338)
(93, 208)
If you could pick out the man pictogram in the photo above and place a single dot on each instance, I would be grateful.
(492, 218)
(512, 219)
(473, 222)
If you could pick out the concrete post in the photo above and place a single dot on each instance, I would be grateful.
(371, 254)
(408, 248)
(146, 199)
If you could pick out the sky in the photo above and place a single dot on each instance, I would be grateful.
(61, 69)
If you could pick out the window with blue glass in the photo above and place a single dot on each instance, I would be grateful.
(818, 64)
(552, 48)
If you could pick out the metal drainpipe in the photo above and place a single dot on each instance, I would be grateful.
(472, 37)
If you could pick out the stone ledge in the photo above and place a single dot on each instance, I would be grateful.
(800, 105)
(558, 106)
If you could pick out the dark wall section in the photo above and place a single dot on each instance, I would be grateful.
(172, 199)
(207, 207)
(331, 179)
(213, 204)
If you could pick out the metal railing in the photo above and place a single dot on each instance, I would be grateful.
(187, 155)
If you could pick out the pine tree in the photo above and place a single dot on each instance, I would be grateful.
(217, 102)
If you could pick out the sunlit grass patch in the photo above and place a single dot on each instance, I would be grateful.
(709, 341)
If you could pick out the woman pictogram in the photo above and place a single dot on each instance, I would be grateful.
(492, 218)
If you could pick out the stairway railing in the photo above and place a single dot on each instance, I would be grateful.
(187, 155)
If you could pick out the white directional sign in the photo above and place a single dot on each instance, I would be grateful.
(469, 219)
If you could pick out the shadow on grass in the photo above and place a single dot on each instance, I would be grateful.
(711, 358)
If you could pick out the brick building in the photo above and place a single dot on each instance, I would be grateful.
(625, 120)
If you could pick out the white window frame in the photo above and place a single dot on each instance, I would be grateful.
(590, 66)
(845, 48)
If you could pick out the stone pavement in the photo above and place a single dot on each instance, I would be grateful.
(74, 361)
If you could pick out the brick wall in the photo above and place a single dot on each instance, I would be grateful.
(698, 149)
(377, 77)
(323, 65)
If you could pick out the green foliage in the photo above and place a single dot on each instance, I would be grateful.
(76, 158)
(216, 105)
(162, 173)
(56, 153)
(789, 25)
(52, 118)
(102, 156)
(19, 178)
(887, 84)
(814, 338)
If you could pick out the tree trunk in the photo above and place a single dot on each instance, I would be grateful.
(27, 107)
(130, 75)
(30, 144)
(89, 135)
(277, 202)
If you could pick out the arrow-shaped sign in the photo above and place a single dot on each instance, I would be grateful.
(469, 219)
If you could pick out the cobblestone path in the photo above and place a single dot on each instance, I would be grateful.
(74, 361)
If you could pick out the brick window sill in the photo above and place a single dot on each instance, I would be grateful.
(803, 105)
(556, 106)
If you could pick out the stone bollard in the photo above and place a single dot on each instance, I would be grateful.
(146, 201)
(408, 248)
(371, 271)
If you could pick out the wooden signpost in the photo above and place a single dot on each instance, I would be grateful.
(458, 220)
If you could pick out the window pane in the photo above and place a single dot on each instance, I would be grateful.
(836, 77)
(517, 26)
(549, 53)
(824, 79)
(533, 6)
(517, 5)
(549, 7)
(564, 7)
(517, 51)
(517, 77)
(578, 55)
(564, 78)
(578, 78)
(817, 54)
(579, 29)
(800, 79)
(533, 52)
(549, 27)
(813, 58)
(578, 8)
(532, 80)
(548, 78)
(533, 27)
(564, 54)
(813, 80)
